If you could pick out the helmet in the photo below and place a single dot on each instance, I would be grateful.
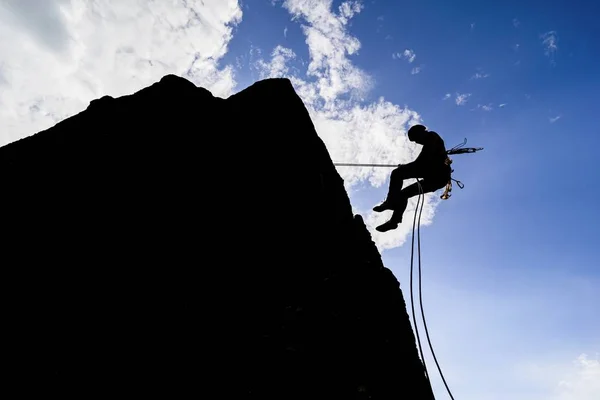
(415, 130)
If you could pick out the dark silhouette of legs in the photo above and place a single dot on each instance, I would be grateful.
(397, 178)
(429, 184)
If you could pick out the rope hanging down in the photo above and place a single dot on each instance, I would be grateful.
(412, 302)
(458, 149)
(421, 200)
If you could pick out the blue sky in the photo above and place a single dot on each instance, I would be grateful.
(510, 261)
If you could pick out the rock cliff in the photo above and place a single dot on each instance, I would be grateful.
(172, 242)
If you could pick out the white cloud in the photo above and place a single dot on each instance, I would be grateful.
(581, 381)
(278, 66)
(484, 107)
(407, 54)
(575, 380)
(332, 90)
(84, 50)
(328, 44)
(447, 96)
(415, 70)
(461, 99)
(410, 55)
(385, 240)
(480, 75)
(550, 43)
(554, 119)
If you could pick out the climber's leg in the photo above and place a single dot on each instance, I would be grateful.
(397, 178)
(427, 185)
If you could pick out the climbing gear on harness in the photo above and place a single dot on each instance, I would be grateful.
(446, 195)
(460, 149)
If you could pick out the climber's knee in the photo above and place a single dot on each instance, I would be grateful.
(396, 174)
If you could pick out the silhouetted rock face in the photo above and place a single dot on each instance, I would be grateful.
(174, 242)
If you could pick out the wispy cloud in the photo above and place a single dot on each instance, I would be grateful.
(410, 55)
(554, 119)
(480, 75)
(516, 22)
(285, 31)
(461, 99)
(502, 105)
(485, 107)
(333, 89)
(415, 70)
(575, 380)
(407, 54)
(380, 23)
(582, 381)
(62, 55)
(447, 96)
(550, 43)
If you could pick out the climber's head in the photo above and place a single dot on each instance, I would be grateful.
(416, 133)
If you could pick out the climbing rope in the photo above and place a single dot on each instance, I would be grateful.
(421, 199)
(412, 302)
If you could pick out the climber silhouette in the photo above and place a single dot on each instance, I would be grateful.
(432, 166)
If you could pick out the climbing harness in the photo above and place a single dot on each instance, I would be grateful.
(421, 200)
(446, 195)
